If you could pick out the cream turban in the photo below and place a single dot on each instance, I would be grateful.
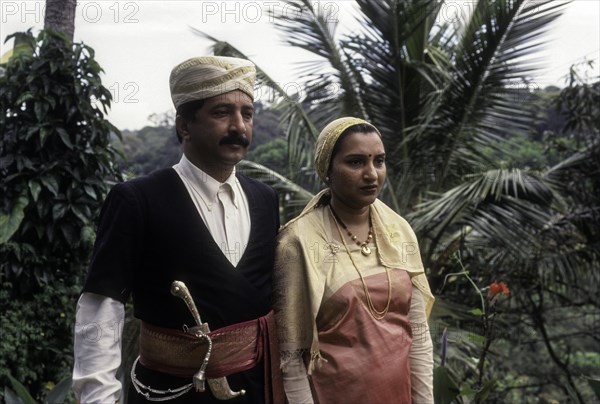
(327, 140)
(207, 76)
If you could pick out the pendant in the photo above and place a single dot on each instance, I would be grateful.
(334, 248)
(365, 250)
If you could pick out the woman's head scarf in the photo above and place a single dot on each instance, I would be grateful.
(327, 140)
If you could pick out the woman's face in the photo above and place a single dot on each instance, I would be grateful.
(357, 170)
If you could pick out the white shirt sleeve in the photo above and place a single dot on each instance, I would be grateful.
(421, 352)
(97, 349)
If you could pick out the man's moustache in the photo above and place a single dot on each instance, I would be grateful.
(242, 141)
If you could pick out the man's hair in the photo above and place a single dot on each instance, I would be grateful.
(188, 112)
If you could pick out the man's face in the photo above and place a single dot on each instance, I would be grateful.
(220, 134)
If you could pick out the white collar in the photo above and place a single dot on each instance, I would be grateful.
(206, 186)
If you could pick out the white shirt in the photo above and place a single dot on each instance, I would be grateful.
(222, 206)
(99, 319)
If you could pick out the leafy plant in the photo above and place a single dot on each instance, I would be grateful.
(19, 394)
(55, 157)
(56, 162)
(445, 387)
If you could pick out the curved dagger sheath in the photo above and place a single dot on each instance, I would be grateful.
(219, 387)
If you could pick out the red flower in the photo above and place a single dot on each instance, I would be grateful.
(499, 287)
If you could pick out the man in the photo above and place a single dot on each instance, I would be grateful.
(201, 223)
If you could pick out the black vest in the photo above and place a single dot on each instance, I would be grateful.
(150, 234)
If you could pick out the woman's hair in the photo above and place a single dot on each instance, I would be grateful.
(358, 128)
(188, 112)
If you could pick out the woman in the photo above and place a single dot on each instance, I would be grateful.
(351, 297)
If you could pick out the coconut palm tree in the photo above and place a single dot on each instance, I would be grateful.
(444, 93)
(437, 90)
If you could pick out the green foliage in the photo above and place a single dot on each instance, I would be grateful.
(20, 395)
(487, 312)
(527, 153)
(37, 335)
(595, 385)
(581, 102)
(444, 389)
(56, 162)
(148, 150)
(59, 392)
(10, 223)
(21, 392)
(272, 154)
(267, 125)
(54, 158)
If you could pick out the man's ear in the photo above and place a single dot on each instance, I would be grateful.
(182, 127)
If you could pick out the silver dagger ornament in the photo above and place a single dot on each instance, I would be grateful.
(219, 386)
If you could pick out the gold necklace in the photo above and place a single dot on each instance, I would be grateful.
(377, 315)
(364, 246)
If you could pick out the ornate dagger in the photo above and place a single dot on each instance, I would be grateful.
(219, 387)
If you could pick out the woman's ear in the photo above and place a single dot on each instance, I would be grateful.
(328, 178)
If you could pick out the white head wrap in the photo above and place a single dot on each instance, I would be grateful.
(207, 76)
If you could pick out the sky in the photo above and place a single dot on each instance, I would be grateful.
(138, 42)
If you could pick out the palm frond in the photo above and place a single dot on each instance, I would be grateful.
(487, 204)
(393, 45)
(475, 110)
(299, 127)
(312, 29)
(296, 196)
(276, 180)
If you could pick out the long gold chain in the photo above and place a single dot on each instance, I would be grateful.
(377, 315)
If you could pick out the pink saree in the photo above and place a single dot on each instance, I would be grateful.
(362, 351)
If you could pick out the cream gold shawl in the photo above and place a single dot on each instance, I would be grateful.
(299, 279)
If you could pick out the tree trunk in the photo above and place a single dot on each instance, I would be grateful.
(60, 16)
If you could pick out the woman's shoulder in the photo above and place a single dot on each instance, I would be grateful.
(392, 222)
(307, 224)
(388, 213)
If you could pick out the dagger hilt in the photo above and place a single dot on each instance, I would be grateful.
(219, 387)
(179, 289)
